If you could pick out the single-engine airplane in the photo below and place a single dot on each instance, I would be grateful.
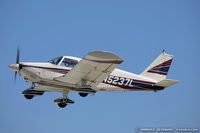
(95, 72)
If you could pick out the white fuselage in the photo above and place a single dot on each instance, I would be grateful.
(118, 80)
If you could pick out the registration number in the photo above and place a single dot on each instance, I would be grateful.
(115, 80)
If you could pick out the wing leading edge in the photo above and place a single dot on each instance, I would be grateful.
(92, 69)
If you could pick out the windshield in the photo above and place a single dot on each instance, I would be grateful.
(69, 62)
(55, 60)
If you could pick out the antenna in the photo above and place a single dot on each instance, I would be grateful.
(163, 51)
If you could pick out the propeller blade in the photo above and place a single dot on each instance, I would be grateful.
(15, 76)
(18, 54)
(17, 61)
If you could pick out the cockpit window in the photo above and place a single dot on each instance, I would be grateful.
(69, 62)
(55, 60)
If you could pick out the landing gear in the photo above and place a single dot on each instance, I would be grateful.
(62, 105)
(28, 96)
(63, 101)
(30, 93)
(33, 86)
(83, 94)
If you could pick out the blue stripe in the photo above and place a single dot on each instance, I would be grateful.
(161, 69)
(143, 85)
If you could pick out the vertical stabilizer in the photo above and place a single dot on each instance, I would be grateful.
(159, 68)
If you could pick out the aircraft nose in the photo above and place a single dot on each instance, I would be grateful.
(14, 67)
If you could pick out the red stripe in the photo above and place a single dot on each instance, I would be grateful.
(162, 73)
(47, 68)
(167, 63)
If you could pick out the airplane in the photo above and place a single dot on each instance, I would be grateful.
(95, 72)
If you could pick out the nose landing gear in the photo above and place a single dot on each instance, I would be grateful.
(63, 101)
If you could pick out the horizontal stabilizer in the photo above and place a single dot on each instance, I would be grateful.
(166, 83)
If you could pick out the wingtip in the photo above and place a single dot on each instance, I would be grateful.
(103, 57)
(105, 54)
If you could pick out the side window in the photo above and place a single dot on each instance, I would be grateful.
(55, 61)
(62, 64)
(69, 62)
(58, 60)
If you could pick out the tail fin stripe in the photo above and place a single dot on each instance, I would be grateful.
(159, 68)
(162, 73)
(167, 63)
(162, 68)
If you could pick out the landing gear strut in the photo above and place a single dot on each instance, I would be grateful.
(33, 86)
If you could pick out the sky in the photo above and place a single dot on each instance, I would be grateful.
(136, 30)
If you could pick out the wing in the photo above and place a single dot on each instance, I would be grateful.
(92, 69)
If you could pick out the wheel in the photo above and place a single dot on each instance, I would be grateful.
(83, 94)
(28, 96)
(62, 105)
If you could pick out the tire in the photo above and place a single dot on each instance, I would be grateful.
(28, 96)
(62, 105)
(83, 94)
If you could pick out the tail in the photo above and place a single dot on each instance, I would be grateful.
(159, 68)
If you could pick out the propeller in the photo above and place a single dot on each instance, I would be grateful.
(17, 60)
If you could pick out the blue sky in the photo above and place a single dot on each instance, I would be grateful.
(137, 31)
